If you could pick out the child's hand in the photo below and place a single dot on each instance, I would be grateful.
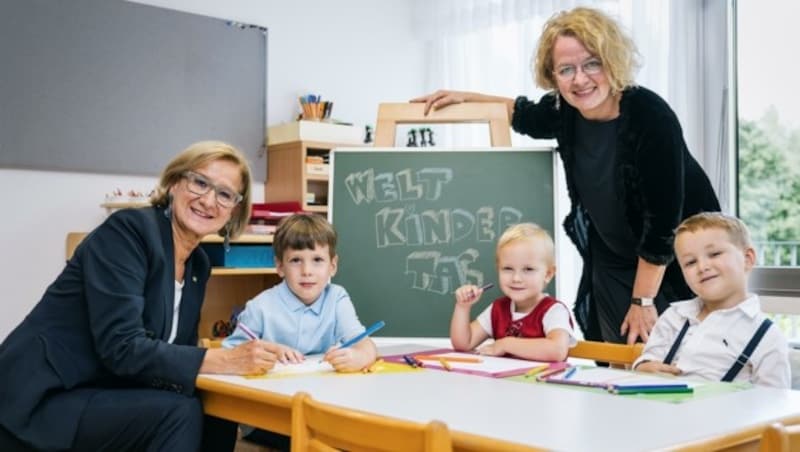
(493, 349)
(344, 359)
(285, 354)
(468, 294)
(658, 367)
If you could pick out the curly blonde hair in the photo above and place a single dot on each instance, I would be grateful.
(197, 155)
(600, 34)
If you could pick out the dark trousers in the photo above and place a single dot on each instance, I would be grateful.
(272, 440)
(142, 420)
(612, 288)
(150, 420)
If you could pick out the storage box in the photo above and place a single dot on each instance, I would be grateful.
(318, 169)
(241, 255)
(314, 131)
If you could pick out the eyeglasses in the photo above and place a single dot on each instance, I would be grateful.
(200, 185)
(567, 72)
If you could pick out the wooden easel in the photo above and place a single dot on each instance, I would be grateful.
(390, 115)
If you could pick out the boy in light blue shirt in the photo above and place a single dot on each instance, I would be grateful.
(306, 314)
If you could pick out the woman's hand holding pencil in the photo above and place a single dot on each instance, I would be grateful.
(283, 353)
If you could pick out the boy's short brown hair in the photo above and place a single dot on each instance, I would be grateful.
(528, 231)
(303, 231)
(736, 229)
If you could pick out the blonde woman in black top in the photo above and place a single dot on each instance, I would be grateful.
(630, 176)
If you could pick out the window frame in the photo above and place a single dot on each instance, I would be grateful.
(764, 280)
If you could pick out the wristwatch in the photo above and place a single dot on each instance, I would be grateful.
(642, 301)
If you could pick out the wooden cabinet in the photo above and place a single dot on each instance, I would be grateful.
(288, 180)
(227, 288)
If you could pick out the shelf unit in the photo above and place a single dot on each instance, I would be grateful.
(227, 289)
(287, 179)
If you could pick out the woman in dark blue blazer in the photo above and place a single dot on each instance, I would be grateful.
(107, 360)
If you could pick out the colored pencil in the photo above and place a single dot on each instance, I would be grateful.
(651, 386)
(375, 327)
(542, 376)
(651, 390)
(445, 364)
(536, 370)
(410, 361)
(587, 384)
(248, 331)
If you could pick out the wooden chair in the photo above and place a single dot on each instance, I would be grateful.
(210, 343)
(780, 438)
(73, 240)
(318, 426)
(619, 354)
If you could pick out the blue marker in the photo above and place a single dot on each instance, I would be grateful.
(375, 327)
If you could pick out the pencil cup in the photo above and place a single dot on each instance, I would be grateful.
(316, 111)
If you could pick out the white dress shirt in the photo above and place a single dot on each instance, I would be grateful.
(710, 347)
(176, 311)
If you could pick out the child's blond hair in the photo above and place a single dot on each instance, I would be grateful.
(531, 232)
(736, 229)
(303, 231)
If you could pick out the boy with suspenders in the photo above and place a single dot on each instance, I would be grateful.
(721, 334)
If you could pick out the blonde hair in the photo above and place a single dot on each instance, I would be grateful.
(303, 232)
(531, 232)
(197, 155)
(600, 34)
(736, 229)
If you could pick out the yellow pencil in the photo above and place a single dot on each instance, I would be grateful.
(536, 370)
(445, 364)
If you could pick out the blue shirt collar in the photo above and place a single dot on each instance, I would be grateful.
(294, 304)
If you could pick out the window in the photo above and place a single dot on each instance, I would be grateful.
(768, 156)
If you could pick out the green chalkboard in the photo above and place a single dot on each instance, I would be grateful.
(414, 225)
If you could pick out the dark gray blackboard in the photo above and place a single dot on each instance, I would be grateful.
(109, 86)
(465, 199)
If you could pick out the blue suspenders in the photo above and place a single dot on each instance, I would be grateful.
(740, 361)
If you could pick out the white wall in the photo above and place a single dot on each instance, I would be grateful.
(356, 53)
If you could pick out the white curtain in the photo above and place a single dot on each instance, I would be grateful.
(487, 46)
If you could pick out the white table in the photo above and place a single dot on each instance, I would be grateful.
(537, 415)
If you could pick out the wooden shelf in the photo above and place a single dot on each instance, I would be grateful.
(112, 206)
(287, 178)
(231, 271)
(244, 238)
(316, 209)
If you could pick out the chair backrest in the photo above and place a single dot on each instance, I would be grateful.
(780, 438)
(318, 426)
(493, 113)
(210, 343)
(73, 240)
(606, 352)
